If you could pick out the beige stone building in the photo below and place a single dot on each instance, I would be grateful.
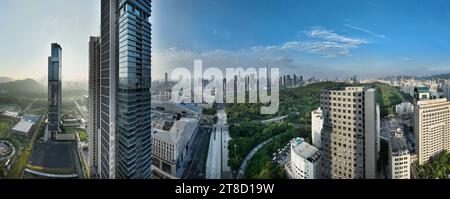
(431, 128)
(349, 138)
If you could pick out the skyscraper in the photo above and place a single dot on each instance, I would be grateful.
(349, 133)
(317, 118)
(94, 104)
(54, 90)
(125, 137)
(432, 128)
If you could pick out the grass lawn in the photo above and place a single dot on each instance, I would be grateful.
(21, 162)
(5, 133)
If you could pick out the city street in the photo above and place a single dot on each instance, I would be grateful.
(217, 162)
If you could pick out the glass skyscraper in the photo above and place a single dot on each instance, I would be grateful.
(54, 89)
(125, 99)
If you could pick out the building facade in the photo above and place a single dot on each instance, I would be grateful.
(404, 108)
(399, 156)
(54, 90)
(125, 99)
(431, 128)
(446, 89)
(305, 161)
(378, 130)
(349, 133)
(94, 105)
(170, 148)
(316, 127)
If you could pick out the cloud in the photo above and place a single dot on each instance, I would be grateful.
(323, 42)
(329, 35)
(366, 31)
(286, 56)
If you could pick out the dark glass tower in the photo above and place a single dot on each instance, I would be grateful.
(54, 89)
(125, 104)
(94, 105)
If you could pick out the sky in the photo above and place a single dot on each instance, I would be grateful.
(28, 27)
(322, 38)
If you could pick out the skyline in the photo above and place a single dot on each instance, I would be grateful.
(313, 38)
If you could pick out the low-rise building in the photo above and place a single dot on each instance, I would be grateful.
(23, 127)
(304, 162)
(399, 156)
(170, 147)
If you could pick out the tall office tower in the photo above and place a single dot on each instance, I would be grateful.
(125, 89)
(349, 133)
(295, 80)
(94, 105)
(317, 118)
(431, 128)
(289, 81)
(166, 79)
(54, 90)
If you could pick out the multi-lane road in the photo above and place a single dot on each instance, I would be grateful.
(217, 161)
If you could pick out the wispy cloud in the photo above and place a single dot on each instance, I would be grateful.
(323, 42)
(318, 41)
(331, 36)
(366, 31)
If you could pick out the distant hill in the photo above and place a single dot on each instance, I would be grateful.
(22, 88)
(5, 79)
(440, 76)
(430, 77)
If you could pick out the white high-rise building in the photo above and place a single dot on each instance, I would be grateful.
(432, 128)
(349, 137)
(304, 162)
(316, 127)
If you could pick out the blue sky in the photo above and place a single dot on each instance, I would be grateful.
(28, 27)
(325, 38)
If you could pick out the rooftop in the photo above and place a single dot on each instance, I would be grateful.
(31, 118)
(423, 89)
(175, 132)
(23, 126)
(398, 142)
(305, 150)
